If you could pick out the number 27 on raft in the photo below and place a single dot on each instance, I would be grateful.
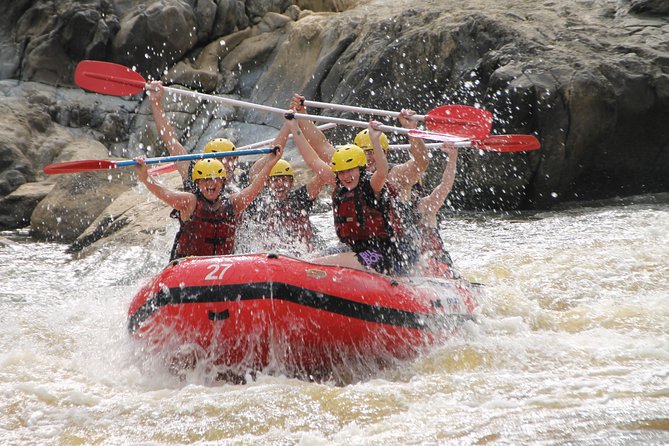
(217, 271)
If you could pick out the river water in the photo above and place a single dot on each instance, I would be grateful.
(572, 348)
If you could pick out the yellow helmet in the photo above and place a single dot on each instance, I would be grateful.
(281, 168)
(208, 168)
(363, 140)
(347, 157)
(219, 145)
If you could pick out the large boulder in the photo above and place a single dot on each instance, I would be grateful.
(50, 36)
(589, 81)
(77, 199)
(17, 207)
(134, 218)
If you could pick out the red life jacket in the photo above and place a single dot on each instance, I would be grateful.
(285, 215)
(208, 232)
(438, 262)
(358, 215)
(430, 240)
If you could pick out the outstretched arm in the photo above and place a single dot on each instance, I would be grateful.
(244, 197)
(321, 168)
(407, 174)
(379, 176)
(166, 132)
(184, 202)
(430, 205)
(312, 133)
(280, 140)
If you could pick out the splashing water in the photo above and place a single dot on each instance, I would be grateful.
(572, 348)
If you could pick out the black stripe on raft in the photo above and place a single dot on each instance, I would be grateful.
(289, 293)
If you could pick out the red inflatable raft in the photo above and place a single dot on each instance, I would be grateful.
(280, 314)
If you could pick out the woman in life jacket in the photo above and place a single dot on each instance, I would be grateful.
(363, 215)
(283, 212)
(209, 216)
(236, 178)
(402, 178)
(435, 259)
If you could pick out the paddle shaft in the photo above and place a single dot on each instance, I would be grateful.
(316, 118)
(290, 135)
(137, 83)
(195, 156)
(78, 166)
(362, 110)
(172, 167)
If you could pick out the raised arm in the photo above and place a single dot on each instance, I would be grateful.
(409, 173)
(166, 132)
(242, 199)
(184, 202)
(280, 140)
(430, 205)
(379, 176)
(320, 167)
(312, 133)
(314, 187)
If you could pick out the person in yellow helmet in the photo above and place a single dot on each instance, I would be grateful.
(282, 213)
(364, 217)
(169, 137)
(208, 217)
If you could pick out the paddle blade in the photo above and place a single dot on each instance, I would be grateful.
(434, 136)
(460, 120)
(508, 143)
(108, 78)
(79, 166)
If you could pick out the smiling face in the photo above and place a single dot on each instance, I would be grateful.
(210, 188)
(280, 186)
(349, 178)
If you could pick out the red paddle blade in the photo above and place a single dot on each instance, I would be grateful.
(166, 168)
(78, 166)
(108, 78)
(460, 120)
(435, 136)
(508, 143)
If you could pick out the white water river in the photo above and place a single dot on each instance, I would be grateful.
(572, 348)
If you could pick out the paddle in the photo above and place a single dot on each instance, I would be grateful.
(172, 167)
(117, 80)
(493, 143)
(92, 165)
(460, 120)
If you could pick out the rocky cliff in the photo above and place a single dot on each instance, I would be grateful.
(589, 78)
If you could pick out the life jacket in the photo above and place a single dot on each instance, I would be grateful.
(208, 232)
(291, 218)
(437, 261)
(430, 240)
(359, 216)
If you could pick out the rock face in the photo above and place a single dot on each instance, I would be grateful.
(589, 78)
